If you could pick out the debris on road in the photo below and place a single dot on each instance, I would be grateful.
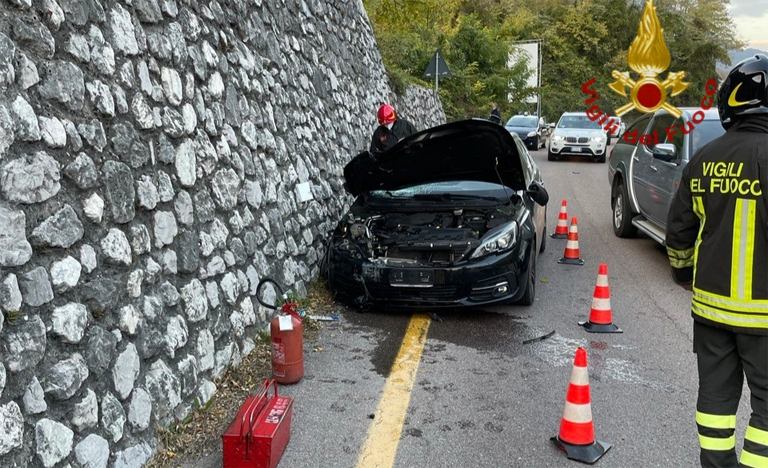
(324, 318)
(540, 338)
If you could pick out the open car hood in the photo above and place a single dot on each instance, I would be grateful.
(475, 150)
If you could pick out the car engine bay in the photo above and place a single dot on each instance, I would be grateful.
(414, 239)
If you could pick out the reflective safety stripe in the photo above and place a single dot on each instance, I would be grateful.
(756, 435)
(737, 261)
(579, 376)
(698, 209)
(752, 460)
(753, 306)
(749, 253)
(743, 249)
(680, 258)
(577, 413)
(714, 443)
(729, 318)
(716, 421)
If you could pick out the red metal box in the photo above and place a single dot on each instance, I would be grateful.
(261, 430)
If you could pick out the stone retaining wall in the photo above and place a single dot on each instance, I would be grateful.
(150, 157)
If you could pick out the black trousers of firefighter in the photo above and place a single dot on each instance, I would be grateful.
(724, 357)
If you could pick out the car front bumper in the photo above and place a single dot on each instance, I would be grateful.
(530, 142)
(495, 278)
(577, 149)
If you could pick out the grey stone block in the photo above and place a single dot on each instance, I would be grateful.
(62, 229)
(36, 287)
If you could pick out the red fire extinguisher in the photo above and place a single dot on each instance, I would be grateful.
(287, 338)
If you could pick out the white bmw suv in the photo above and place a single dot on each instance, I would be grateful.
(577, 135)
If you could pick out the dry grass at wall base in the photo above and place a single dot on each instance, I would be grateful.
(200, 432)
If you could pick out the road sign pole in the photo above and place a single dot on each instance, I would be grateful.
(538, 100)
(437, 72)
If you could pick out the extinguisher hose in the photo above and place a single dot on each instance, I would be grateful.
(258, 292)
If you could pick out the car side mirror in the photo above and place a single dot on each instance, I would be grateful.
(664, 152)
(538, 193)
(552, 125)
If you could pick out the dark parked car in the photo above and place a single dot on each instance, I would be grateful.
(451, 216)
(644, 175)
(530, 129)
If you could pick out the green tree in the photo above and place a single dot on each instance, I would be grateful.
(581, 39)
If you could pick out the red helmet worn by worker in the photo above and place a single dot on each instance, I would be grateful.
(386, 114)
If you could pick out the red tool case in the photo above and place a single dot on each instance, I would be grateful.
(261, 430)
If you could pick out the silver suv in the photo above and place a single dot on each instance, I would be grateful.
(577, 135)
(644, 172)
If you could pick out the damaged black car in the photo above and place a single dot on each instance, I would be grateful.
(451, 216)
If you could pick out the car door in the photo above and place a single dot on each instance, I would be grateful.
(646, 172)
(531, 173)
(667, 175)
(623, 153)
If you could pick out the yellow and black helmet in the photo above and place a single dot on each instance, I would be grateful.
(745, 90)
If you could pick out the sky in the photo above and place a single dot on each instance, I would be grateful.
(750, 18)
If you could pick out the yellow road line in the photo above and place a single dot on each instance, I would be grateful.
(380, 446)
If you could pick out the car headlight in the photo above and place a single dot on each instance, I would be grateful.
(558, 138)
(599, 138)
(499, 242)
(531, 134)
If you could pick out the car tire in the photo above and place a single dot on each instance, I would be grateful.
(535, 145)
(601, 159)
(622, 213)
(551, 156)
(530, 284)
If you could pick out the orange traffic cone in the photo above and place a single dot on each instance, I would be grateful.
(600, 316)
(571, 256)
(561, 230)
(577, 431)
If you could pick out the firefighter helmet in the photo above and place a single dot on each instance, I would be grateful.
(386, 114)
(745, 90)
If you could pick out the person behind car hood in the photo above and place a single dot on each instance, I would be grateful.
(717, 241)
(495, 114)
(391, 129)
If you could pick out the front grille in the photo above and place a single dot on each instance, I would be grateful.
(571, 139)
(434, 293)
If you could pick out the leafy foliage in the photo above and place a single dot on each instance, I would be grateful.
(581, 39)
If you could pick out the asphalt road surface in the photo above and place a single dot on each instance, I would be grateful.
(482, 398)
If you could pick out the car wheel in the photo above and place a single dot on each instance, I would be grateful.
(530, 285)
(601, 159)
(622, 213)
(551, 156)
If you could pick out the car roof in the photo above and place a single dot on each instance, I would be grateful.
(709, 114)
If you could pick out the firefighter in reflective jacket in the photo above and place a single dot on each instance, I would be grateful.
(717, 241)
